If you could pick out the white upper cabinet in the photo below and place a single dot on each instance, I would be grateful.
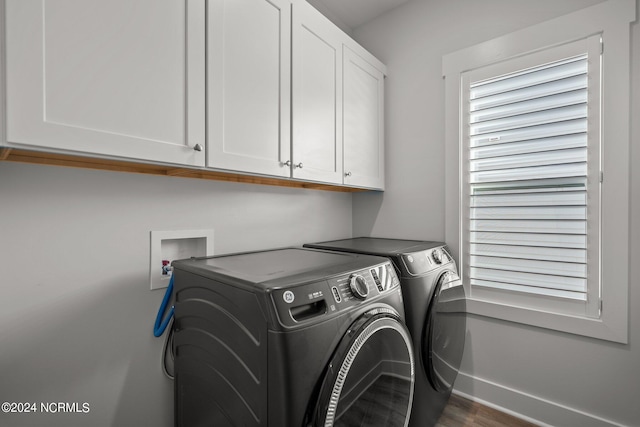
(363, 131)
(265, 87)
(317, 93)
(118, 78)
(249, 57)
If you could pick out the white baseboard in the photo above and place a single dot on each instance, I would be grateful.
(534, 409)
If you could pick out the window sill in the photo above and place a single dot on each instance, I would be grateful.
(598, 328)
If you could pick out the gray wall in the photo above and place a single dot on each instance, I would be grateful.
(562, 378)
(76, 312)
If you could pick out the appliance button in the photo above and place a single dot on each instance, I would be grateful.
(336, 294)
(288, 297)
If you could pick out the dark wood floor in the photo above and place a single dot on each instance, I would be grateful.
(461, 412)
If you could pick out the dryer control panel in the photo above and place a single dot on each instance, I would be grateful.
(314, 301)
(422, 262)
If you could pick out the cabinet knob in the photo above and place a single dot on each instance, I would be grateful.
(347, 174)
(197, 147)
(299, 165)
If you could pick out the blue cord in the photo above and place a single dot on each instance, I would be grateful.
(161, 325)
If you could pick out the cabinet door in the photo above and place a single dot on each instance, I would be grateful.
(249, 85)
(317, 93)
(118, 78)
(363, 122)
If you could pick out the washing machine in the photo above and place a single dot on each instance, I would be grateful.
(435, 309)
(291, 337)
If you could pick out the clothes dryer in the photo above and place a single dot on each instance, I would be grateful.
(435, 309)
(291, 337)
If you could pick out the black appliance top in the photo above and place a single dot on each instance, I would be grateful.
(410, 257)
(278, 267)
(377, 246)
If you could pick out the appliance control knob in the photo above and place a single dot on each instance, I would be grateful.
(437, 256)
(358, 285)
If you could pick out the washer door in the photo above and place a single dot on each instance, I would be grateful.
(370, 379)
(445, 331)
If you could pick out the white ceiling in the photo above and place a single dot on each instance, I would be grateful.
(354, 13)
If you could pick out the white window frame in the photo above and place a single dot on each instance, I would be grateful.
(591, 46)
(611, 20)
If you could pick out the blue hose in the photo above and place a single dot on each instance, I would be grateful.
(161, 325)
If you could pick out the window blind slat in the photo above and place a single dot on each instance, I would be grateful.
(537, 118)
(529, 133)
(532, 146)
(529, 252)
(530, 289)
(530, 173)
(530, 279)
(543, 240)
(529, 226)
(556, 157)
(536, 76)
(529, 106)
(533, 186)
(520, 265)
(513, 96)
(530, 213)
(574, 198)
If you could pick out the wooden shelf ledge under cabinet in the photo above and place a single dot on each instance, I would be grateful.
(56, 159)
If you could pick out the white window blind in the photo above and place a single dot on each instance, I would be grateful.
(529, 168)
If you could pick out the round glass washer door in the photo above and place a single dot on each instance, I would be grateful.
(370, 379)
